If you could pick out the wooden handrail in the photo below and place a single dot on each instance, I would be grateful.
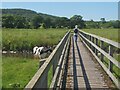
(116, 44)
(57, 77)
(40, 79)
(94, 48)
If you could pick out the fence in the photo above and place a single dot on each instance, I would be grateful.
(98, 47)
(56, 60)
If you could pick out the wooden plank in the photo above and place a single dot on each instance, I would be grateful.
(82, 71)
(91, 73)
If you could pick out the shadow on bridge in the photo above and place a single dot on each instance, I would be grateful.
(83, 69)
(75, 76)
(74, 68)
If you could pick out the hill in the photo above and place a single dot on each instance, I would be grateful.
(29, 14)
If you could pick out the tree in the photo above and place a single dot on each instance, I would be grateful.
(103, 20)
(37, 20)
(77, 20)
(116, 24)
(21, 22)
(92, 24)
(8, 21)
(62, 22)
(14, 21)
(47, 23)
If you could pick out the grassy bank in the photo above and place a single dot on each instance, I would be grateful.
(111, 34)
(17, 71)
(21, 39)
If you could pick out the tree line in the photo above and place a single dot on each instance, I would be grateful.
(21, 18)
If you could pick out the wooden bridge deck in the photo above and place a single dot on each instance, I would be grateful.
(76, 67)
(82, 71)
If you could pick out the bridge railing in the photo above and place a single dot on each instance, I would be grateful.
(103, 50)
(55, 60)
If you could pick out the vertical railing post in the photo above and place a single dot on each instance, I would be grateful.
(85, 37)
(90, 40)
(96, 51)
(92, 46)
(41, 62)
(111, 54)
(102, 47)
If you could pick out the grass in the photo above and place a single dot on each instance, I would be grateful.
(116, 70)
(0, 71)
(111, 34)
(20, 39)
(17, 71)
(50, 76)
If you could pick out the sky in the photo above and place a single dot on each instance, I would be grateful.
(88, 10)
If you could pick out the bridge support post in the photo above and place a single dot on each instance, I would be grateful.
(92, 46)
(90, 40)
(96, 51)
(111, 54)
(41, 62)
(102, 47)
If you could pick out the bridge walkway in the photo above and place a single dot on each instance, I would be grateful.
(82, 70)
(75, 67)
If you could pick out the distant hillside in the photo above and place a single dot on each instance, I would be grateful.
(26, 13)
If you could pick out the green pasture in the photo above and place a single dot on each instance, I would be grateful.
(112, 34)
(22, 39)
(17, 71)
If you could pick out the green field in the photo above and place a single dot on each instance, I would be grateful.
(21, 39)
(111, 34)
(17, 71)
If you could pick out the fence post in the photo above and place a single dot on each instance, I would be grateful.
(111, 54)
(41, 62)
(102, 47)
(92, 46)
(96, 51)
(90, 40)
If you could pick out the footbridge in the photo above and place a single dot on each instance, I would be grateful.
(88, 63)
